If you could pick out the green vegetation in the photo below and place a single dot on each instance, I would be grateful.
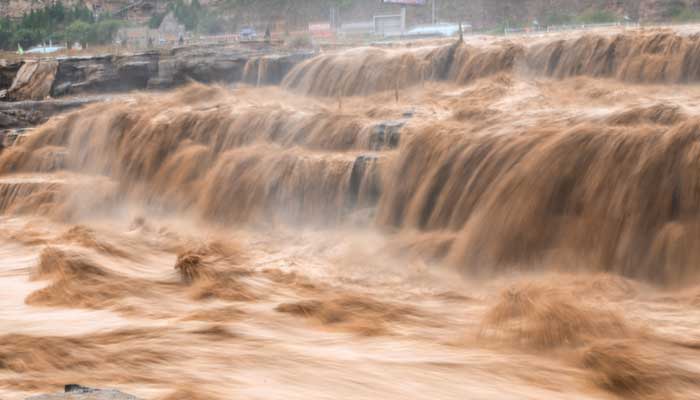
(281, 4)
(155, 20)
(687, 16)
(212, 24)
(557, 18)
(57, 23)
(300, 41)
(679, 12)
(597, 17)
(188, 14)
(588, 17)
(510, 24)
(78, 31)
(194, 17)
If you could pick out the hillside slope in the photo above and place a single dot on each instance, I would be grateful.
(482, 13)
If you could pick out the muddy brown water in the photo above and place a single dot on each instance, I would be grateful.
(493, 234)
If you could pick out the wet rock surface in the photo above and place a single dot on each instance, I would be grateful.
(386, 135)
(23, 114)
(365, 181)
(147, 70)
(30, 87)
(8, 71)
(104, 73)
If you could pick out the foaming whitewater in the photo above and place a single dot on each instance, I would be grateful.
(620, 200)
(613, 196)
(653, 57)
(366, 70)
(507, 219)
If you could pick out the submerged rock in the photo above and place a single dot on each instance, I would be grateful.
(77, 392)
(386, 135)
(365, 188)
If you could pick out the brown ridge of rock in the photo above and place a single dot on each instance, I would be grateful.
(33, 81)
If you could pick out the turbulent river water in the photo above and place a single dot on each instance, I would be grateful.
(507, 220)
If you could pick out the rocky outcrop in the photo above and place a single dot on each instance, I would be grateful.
(33, 80)
(365, 185)
(209, 64)
(386, 135)
(104, 73)
(31, 86)
(22, 114)
(77, 392)
(200, 63)
(8, 71)
(149, 70)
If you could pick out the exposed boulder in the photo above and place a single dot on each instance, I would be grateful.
(33, 80)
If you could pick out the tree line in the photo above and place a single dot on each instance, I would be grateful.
(58, 24)
(194, 17)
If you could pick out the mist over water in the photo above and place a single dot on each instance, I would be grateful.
(481, 220)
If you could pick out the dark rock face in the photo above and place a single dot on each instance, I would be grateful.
(9, 137)
(365, 178)
(162, 70)
(24, 114)
(150, 70)
(36, 80)
(8, 71)
(13, 119)
(104, 73)
(365, 188)
(202, 64)
(33, 80)
(222, 64)
(74, 388)
(386, 135)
